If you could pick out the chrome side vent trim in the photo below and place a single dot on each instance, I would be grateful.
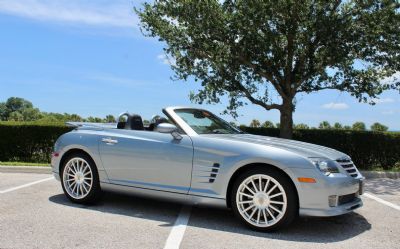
(214, 172)
(206, 173)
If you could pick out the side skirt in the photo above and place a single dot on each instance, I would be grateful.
(164, 195)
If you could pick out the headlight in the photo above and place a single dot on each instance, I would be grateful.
(326, 166)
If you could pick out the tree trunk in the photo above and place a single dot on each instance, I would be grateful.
(286, 124)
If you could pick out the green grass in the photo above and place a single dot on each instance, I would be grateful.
(24, 164)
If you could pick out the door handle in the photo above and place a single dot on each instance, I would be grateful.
(109, 141)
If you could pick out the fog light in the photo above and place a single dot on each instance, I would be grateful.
(333, 200)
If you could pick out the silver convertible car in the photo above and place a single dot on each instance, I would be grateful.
(193, 156)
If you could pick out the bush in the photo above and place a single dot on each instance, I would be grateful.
(367, 149)
(28, 141)
(33, 142)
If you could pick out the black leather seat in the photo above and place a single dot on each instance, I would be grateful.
(133, 122)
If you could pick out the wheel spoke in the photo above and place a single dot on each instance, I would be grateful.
(83, 185)
(254, 186)
(248, 208)
(251, 191)
(277, 202)
(275, 195)
(241, 193)
(254, 211)
(266, 186)
(269, 191)
(245, 202)
(265, 216)
(258, 216)
(270, 213)
(274, 208)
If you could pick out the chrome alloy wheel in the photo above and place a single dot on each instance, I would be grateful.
(77, 178)
(261, 200)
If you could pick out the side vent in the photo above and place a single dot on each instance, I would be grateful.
(214, 172)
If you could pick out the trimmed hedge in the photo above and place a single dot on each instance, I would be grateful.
(367, 149)
(28, 142)
(33, 142)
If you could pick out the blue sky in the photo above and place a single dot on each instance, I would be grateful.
(89, 57)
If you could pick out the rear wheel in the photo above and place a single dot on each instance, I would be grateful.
(264, 199)
(79, 179)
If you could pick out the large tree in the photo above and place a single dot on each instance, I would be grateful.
(249, 50)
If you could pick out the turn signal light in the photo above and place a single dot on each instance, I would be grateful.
(306, 180)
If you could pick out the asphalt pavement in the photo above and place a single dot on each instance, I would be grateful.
(34, 213)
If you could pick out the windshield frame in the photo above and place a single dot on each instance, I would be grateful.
(172, 114)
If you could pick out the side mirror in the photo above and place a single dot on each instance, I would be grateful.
(169, 128)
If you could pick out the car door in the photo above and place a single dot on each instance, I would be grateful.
(147, 159)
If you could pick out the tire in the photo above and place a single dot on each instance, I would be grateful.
(254, 208)
(80, 179)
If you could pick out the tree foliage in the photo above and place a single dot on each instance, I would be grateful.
(255, 123)
(19, 109)
(359, 126)
(249, 50)
(268, 124)
(324, 125)
(379, 127)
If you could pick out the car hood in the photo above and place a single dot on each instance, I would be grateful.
(301, 148)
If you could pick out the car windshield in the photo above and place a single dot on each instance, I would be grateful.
(204, 122)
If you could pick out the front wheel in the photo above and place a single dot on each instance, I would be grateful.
(80, 180)
(264, 199)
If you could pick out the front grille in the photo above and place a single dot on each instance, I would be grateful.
(343, 199)
(349, 166)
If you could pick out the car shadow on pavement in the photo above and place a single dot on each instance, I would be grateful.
(317, 230)
(312, 229)
(127, 205)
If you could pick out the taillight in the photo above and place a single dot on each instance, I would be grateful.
(55, 154)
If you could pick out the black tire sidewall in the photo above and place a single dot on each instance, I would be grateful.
(95, 191)
(292, 203)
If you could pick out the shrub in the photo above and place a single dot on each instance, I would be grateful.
(33, 142)
(28, 141)
(367, 149)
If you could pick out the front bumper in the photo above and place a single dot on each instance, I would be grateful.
(314, 197)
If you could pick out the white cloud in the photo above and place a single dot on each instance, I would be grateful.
(335, 106)
(166, 60)
(391, 79)
(100, 13)
(383, 100)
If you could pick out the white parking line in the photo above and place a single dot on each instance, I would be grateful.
(389, 204)
(25, 185)
(178, 230)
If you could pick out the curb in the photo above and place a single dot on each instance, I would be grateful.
(380, 174)
(25, 169)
